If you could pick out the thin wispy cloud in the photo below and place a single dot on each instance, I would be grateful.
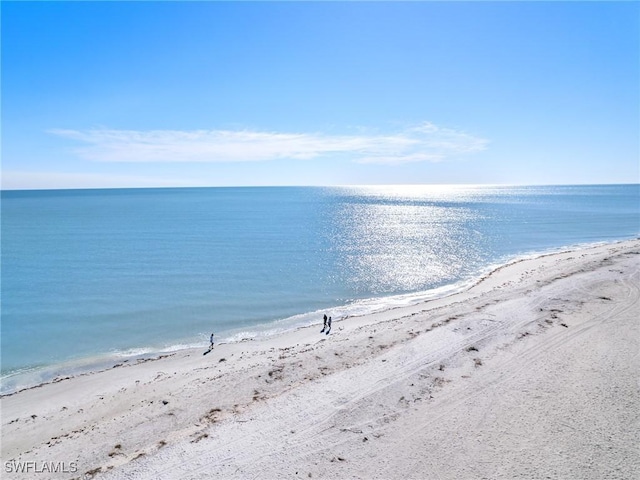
(423, 143)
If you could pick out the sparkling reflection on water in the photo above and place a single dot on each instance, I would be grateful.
(401, 239)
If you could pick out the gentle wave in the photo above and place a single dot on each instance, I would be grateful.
(31, 377)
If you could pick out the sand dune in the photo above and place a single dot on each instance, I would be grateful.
(532, 373)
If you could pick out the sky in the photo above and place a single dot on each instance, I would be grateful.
(157, 94)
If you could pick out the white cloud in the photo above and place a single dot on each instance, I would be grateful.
(399, 159)
(423, 143)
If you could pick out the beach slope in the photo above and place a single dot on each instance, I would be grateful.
(531, 373)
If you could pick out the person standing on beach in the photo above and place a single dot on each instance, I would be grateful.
(211, 340)
(325, 323)
(328, 326)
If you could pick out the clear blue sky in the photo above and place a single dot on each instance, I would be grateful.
(111, 94)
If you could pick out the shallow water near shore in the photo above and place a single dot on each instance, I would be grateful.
(94, 276)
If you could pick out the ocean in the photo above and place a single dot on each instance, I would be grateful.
(90, 277)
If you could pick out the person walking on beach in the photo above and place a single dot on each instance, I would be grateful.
(325, 323)
(210, 344)
(328, 326)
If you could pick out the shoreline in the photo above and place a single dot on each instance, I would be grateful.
(433, 389)
(74, 368)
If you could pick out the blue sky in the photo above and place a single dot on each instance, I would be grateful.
(139, 94)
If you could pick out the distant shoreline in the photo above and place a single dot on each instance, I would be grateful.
(87, 366)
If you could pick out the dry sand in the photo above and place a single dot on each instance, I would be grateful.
(532, 373)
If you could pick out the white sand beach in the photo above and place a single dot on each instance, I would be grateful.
(531, 373)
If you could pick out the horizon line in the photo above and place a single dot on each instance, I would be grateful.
(353, 185)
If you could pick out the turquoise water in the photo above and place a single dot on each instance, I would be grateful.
(92, 274)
